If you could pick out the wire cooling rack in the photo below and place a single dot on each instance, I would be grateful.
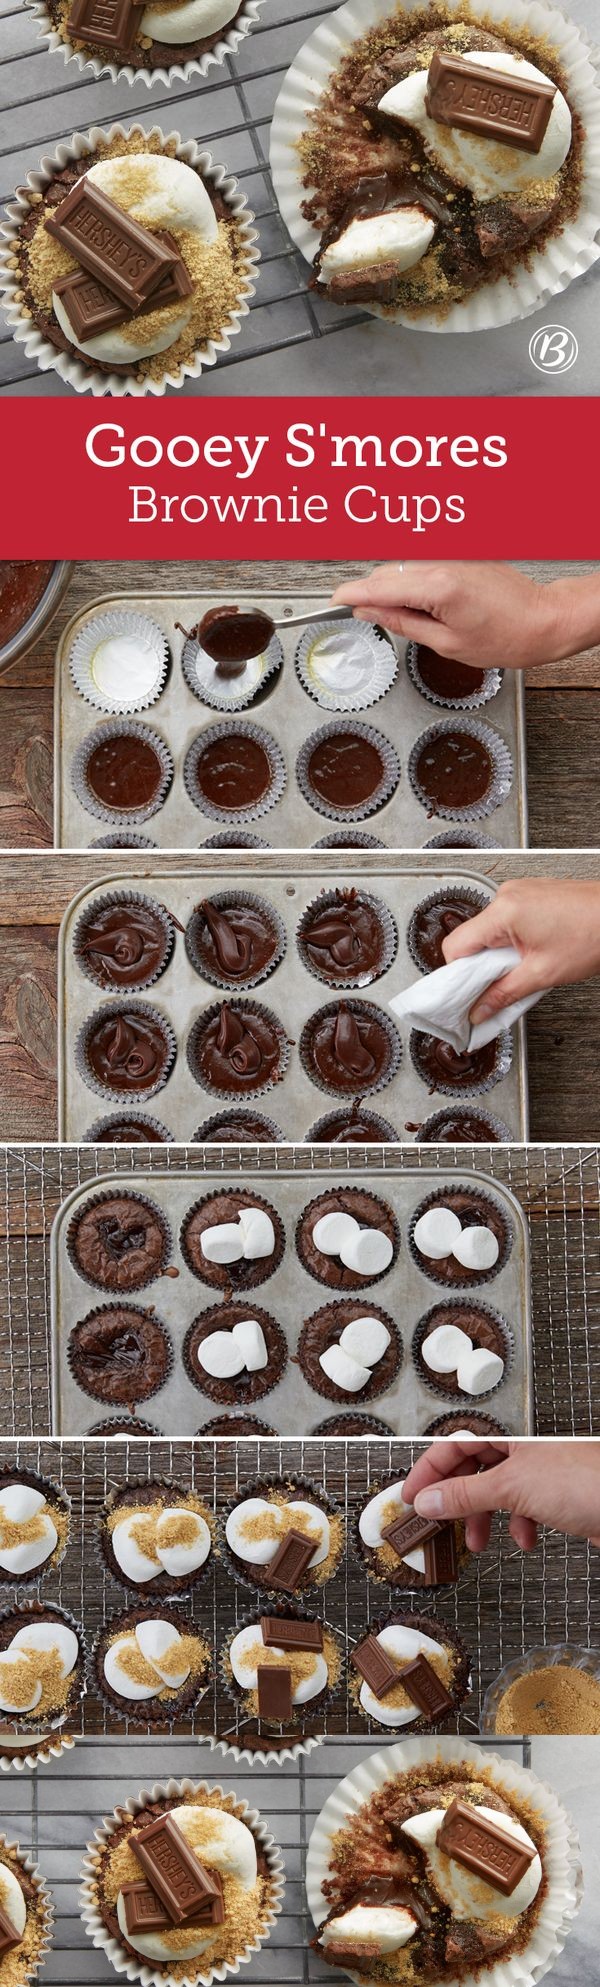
(230, 112)
(558, 1187)
(55, 1811)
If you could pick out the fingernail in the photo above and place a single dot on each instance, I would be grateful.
(482, 1013)
(430, 1503)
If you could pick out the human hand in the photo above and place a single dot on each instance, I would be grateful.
(473, 612)
(539, 1483)
(554, 925)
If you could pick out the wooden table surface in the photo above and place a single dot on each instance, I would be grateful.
(563, 707)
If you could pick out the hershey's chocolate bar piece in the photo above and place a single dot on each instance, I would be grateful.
(91, 308)
(143, 1909)
(184, 1886)
(374, 1664)
(425, 1688)
(112, 23)
(484, 1847)
(377, 283)
(512, 109)
(274, 1693)
(405, 1534)
(290, 1562)
(9, 1937)
(279, 1632)
(126, 258)
(441, 1557)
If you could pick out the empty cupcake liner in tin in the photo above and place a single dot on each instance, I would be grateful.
(151, 1130)
(449, 893)
(471, 701)
(232, 900)
(299, 1487)
(252, 1088)
(503, 1050)
(126, 952)
(351, 1085)
(123, 841)
(250, 810)
(235, 839)
(106, 1196)
(120, 728)
(125, 1011)
(461, 839)
(233, 693)
(365, 734)
(37, 1610)
(314, 1712)
(130, 1307)
(433, 1129)
(434, 1382)
(328, 1129)
(342, 840)
(501, 779)
(345, 668)
(469, 1280)
(330, 900)
(119, 661)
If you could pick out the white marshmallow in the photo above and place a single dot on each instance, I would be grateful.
(124, 666)
(158, 1945)
(402, 236)
(319, 1524)
(381, 1510)
(467, 1895)
(32, 1552)
(13, 1900)
(231, 1848)
(342, 1370)
(444, 1347)
(332, 1231)
(223, 1244)
(136, 1565)
(155, 1639)
(178, 1559)
(485, 165)
(45, 1635)
(257, 1551)
(416, 1559)
(117, 1677)
(404, 1644)
(7, 1661)
(19, 1502)
(385, 1927)
(478, 1371)
(250, 1340)
(476, 1248)
(367, 1338)
(173, 195)
(258, 1233)
(112, 347)
(189, 21)
(368, 1253)
(436, 1232)
(423, 1828)
(221, 1356)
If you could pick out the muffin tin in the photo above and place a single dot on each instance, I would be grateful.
(291, 1295)
(290, 714)
(290, 991)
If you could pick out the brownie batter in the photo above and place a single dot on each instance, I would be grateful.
(348, 1048)
(446, 677)
(352, 1128)
(22, 585)
(129, 1131)
(119, 1355)
(345, 769)
(233, 772)
(369, 1211)
(325, 1328)
(245, 1387)
(210, 1213)
(445, 1068)
(128, 1050)
(460, 1128)
(237, 1049)
(342, 938)
(434, 921)
(124, 772)
(231, 636)
(235, 941)
(480, 1325)
(124, 945)
(454, 770)
(119, 1242)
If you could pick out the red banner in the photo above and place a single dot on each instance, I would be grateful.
(309, 479)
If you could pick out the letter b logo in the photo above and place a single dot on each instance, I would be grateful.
(553, 349)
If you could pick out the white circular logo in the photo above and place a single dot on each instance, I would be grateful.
(553, 349)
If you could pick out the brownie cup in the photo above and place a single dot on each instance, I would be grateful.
(120, 1354)
(257, 1524)
(396, 1638)
(472, 1210)
(475, 1424)
(435, 919)
(346, 938)
(238, 1128)
(462, 1127)
(59, 1670)
(129, 1425)
(119, 1241)
(234, 771)
(136, 50)
(487, 1331)
(326, 1328)
(234, 939)
(234, 1425)
(452, 770)
(350, 1426)
(315, 1669)
(252, 1382)
(123, 768)
(126, 1051)
(137, 1661)
(124, 941)
(352, 1127)
(223, 1210)
(34, 1526)
(169, 1526)
(347, 769)
(386, 1563)
(350, 1048)
(370, 1213)
(443, 1068)
(237, 1049)
(131, 1130)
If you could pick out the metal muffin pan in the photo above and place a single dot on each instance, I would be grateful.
(291, 1295)
(290, 991)
(291, 715)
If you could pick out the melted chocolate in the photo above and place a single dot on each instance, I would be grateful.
(462, 1128)
(124, 944)
(127, 1051)
(446, 677)
(119, 1354)
(234, 771)
(233, 635)
(439, 1063)
(22, 584)
(345, 769)
(129, 1131)
(349, 1048)
(434, 922)
(235, 943)
(124, 771)
(348, 1128)
(454, 770)
(238, 1049)
(344, 940)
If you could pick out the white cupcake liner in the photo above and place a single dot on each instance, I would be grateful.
(384, 666)
(140, 1118)
(85, 378)
(464, 1093)
(562, 1860)
(44, 1894)
(492, 683)
(226, 693)
(545, 1656)
(177, 72)
(549, 269)
(26, 1758)
(115, 728)
(142, 1970)
(463, 891)
(111, 901)
(254, 809)
(502, 776)
(256, 1756)
(430, 1129)
(43, 1726)
(110, 1010)
(328, 899)
(105, 627)
(356, 810)
(434, 1382)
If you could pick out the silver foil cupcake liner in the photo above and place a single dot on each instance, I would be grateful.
(129, 1304)
(123, 841)
(112, 1428)
(492, 683)
(179, 70)
(343, 841)
(121, 728)
(300, 1486)
(364, 1010)
(235, 840)
(244, 1006)
(461, 839)
(228, 693)
(132, 1711)
(218, 1315)
(123, 1497)
(464, 1092)
(109, 626)
(326, 1130)
(380, 664)
(502, 771)
(318, 1382)
(109, 1194)
(330, 900)
(469, 1279)
(30, 1611)
(439, 1427)
(251, 811)
(426, 1624)
(217, 1130)
(44, 1898)
(231, 900)
(264, 1266)
(370, 1426)
(96, 1134)
(306, 1716)
(356, 810)
(453, 892)
(434, 1382)
(431, 1132)
(112, 1012)
(227, 1426)
(111, 901)
(60, 1497)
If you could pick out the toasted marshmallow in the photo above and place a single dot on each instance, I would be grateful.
(436, 1232)
(191, 20)
(343, 1371)
(484, 165)
(404, 1644)
(366, 1339)
(478, 1371)
(467, 1895)
(444, 1347)
(382, 1928)
(242, 1653)
(402, 236)
(476, 1248)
